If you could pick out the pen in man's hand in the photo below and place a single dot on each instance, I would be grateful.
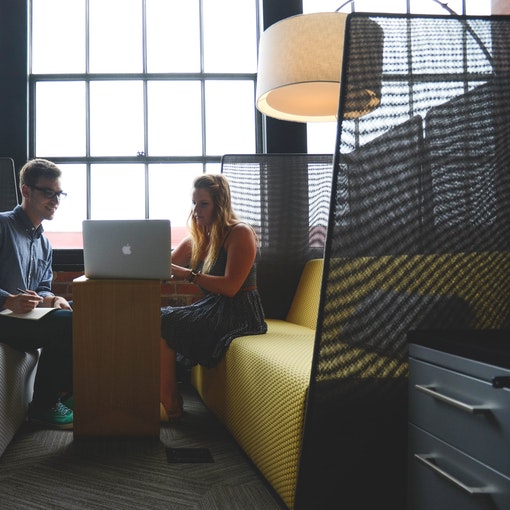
(26, 292)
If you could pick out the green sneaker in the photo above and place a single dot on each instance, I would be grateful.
(69, 403)
(57, 417)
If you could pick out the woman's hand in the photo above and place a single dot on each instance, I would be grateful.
(180, 273)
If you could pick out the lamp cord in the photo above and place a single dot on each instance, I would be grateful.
(447, 8)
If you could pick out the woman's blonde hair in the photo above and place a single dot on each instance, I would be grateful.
(207, 241)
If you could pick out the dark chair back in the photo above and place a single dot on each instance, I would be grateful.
(8, 185)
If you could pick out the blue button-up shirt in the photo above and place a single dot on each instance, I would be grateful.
(25, 256)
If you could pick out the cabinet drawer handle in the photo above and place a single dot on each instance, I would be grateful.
(428, 460)
(501, 381)
(430, 390)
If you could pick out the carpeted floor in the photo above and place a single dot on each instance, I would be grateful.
(44, 469)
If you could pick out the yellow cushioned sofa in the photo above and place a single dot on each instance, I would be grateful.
(259, 388)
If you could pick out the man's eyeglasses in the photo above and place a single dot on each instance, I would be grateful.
(49, 193)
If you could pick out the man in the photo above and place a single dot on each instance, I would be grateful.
(25, 283)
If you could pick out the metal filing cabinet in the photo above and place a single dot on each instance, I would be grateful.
(459, 420)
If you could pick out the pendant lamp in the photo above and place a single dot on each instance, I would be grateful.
(300, 68)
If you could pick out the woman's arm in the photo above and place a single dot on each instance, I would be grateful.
(180, 259)
(182, 254)
(241, 248)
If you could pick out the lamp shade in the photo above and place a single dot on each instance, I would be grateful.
(300, 66)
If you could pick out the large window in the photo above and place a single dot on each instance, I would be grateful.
(134, 98)
(321, 136)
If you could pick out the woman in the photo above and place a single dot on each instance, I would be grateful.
(218, 256)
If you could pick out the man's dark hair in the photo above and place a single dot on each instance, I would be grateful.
(34, 169)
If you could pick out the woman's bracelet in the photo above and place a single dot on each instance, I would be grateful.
(193, 275)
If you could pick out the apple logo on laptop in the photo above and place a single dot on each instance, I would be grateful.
(126, 249)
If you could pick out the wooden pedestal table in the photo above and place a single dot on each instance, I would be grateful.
(116, 331)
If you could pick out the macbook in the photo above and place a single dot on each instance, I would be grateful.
(127, 249)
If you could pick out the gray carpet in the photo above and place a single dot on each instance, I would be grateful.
(44, 469)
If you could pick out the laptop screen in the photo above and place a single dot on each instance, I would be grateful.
(127, 249)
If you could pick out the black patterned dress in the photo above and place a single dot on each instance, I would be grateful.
(200, 333)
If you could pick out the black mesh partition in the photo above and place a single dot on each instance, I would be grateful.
(418, 238)
(285, 197)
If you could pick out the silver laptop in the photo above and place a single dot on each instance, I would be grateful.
(127, 249)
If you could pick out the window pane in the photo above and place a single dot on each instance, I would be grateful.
(60, 119)
(230, 117)
(429, 7)
(175, 121)
(173, 36)
(390, 6)
(58, 36)
(478, 7)
(64, 230)
(323, 6)
(116, 118)
(230, 36)
(321, 137)
(117, 191)
(115, 36)
(213, 168)
(170, 188)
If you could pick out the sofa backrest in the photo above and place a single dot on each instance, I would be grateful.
(305, 304)
(290, 231)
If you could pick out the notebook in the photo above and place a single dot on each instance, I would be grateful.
(127, 249)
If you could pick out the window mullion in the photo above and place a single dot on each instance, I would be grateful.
(145, 106)
(202, 81)
(87, 110)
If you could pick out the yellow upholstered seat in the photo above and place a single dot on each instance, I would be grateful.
(259, 389)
